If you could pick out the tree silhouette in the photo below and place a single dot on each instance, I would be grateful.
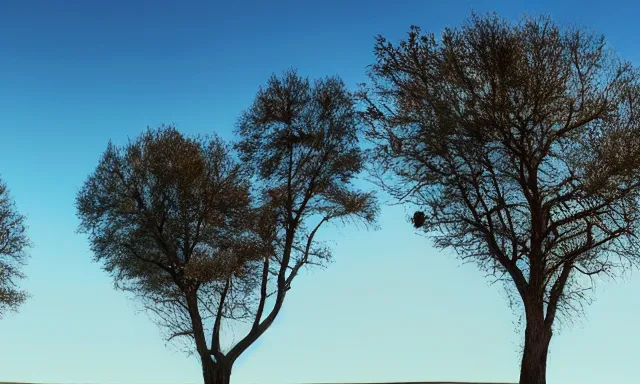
(13, 242)
(520, 145)
(206, 240)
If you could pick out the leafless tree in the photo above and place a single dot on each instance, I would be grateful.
(13, 243)
(204, 240)
(301, 140)
(519, 145)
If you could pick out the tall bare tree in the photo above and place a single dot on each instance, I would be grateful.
(301, 140)
(206, 241)
(13, 243)
(520, 146)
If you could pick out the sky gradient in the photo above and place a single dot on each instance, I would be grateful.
(75, 74)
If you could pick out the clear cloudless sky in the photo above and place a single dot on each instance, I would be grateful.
(74, 74)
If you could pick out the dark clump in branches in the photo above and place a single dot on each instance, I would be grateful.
(13, 243)
(418, 219)
(523, 144)
(206, 240)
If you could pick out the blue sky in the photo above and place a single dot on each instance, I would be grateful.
(74, 74)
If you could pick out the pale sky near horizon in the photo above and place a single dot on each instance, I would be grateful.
(74, 74)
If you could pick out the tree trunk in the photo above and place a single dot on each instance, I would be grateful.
(536, 347)
(216, 373)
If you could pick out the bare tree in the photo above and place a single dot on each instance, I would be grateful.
(202, 242)
(301, 140)
(519, 144)
(168, 217)
(13, 242)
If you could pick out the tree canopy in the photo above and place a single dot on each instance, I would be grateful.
(203, 238)
(13, 244)
(519, 145)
